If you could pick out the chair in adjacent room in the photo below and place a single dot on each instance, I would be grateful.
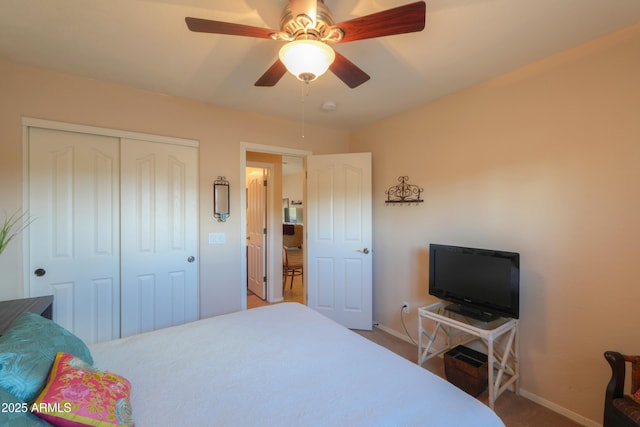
(292, 265)
(621, 410)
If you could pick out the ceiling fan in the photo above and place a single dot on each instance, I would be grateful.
(308, 28)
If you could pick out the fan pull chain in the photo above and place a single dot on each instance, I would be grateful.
(305, 93)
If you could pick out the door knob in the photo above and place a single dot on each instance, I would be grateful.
(40, 272)
(191, 258)
(364, 251)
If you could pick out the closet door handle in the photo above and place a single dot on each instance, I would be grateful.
(191, 259)
(40, 272)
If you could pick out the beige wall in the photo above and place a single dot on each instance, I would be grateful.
(292, 186)
(32, 92)
(544, 161)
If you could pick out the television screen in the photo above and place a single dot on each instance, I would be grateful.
(483, 283)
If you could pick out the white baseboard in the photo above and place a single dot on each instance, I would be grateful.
(527, 395)
(559, 409)
(395, 333)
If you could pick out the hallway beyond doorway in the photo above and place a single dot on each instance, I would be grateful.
(293, 294)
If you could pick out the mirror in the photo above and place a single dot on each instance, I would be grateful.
(221, 199)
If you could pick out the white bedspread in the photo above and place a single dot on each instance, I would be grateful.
(281, 365)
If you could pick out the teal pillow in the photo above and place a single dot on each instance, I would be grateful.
(15, 413)
(27, 351)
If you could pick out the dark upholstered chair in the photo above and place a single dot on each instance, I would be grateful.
(621, 411)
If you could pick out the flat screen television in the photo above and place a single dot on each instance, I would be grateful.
(482, 283)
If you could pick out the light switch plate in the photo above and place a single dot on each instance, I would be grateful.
(217, 238)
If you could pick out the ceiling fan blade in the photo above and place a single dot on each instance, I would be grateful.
(272, 75)
(348, 72)
(308, 9)
(403, 19)
(218, 27)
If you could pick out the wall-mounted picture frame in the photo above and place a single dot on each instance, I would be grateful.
(285, 210)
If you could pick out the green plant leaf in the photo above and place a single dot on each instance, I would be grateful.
(12, 226)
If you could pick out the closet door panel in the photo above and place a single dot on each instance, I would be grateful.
(74, 238)
(159, 235)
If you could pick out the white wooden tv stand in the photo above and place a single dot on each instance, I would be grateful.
(499, 337)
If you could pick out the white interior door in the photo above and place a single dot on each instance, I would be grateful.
(159, 211)
(339, 237)
(256, 230)
(74, 238)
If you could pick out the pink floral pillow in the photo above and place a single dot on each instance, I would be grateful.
(77, 394)
(636, 396)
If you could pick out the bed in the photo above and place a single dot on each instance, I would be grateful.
(279, 365)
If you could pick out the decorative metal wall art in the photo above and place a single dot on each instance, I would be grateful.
(221, 199)
(404, 193)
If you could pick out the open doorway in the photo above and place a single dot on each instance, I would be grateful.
(261, 180)
(272, 156)
(337, 239)
(293, 288)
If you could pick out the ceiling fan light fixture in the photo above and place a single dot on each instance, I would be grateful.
(307, 59)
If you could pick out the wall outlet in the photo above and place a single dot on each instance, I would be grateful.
(405, 307)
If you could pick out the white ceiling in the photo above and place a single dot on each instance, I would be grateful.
(146, 44)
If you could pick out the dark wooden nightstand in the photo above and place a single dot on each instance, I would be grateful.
(11, 310)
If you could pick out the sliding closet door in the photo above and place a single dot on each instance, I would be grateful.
(74, 238)
(159, 214)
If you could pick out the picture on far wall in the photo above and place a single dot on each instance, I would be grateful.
(285, 210)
